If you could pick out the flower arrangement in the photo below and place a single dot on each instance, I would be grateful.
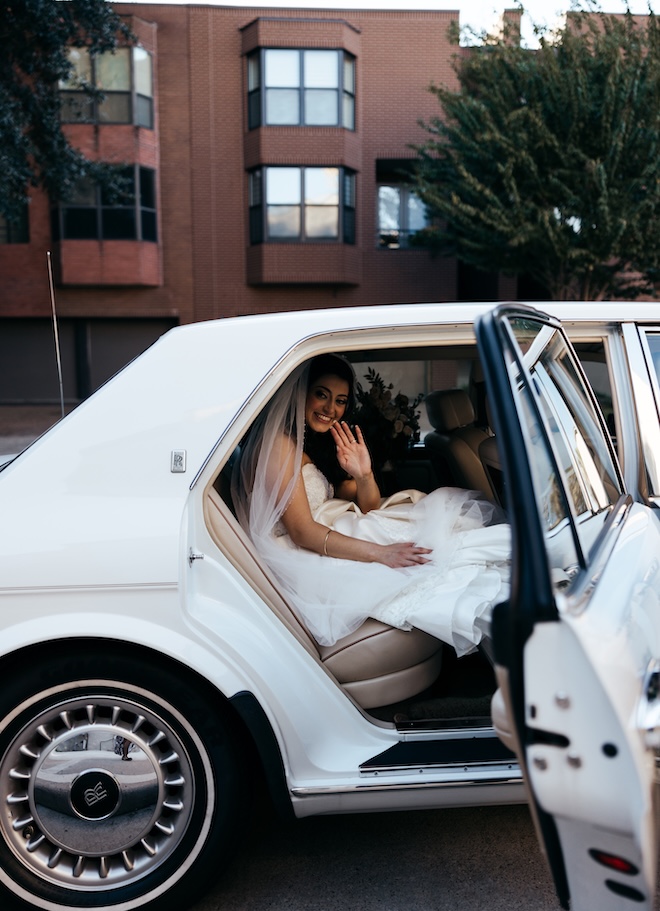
(390, 423)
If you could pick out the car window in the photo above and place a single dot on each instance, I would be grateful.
(419, 376)
(653, 339)
(593, 358)
(550, 494)
(574, 473)
(647, 402)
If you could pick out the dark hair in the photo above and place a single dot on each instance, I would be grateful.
(320, 447)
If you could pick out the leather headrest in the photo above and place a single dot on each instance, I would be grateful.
(449, 409)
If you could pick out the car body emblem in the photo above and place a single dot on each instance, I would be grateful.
(178, 461)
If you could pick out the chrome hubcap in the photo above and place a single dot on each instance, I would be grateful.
(97, 792)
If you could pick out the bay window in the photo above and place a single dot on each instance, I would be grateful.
(302, 204)
(125, 79)
(288, 87)
(90, 215)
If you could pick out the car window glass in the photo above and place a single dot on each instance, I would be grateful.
(646, 389)
(549, 493)
(593, 358)
(415, 376)
(581, 453)
(653, 339)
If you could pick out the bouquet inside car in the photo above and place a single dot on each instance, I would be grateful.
(390, 423)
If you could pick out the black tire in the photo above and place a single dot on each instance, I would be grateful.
(80, 827)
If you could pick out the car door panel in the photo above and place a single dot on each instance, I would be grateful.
(574, 641)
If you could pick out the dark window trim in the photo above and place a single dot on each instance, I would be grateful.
(103, 221)
(91, 109)
(257, 95)
(399, 238)
(258, 227)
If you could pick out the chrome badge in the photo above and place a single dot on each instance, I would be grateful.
(178, 462)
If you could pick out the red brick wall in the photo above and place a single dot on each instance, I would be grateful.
(201, 149)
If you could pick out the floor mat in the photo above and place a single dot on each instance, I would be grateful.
(462, 691)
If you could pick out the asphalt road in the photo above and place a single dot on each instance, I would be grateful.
(441, 860)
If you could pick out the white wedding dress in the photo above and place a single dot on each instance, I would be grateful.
(450, 597)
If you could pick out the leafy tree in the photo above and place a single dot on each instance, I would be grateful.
(547, 161)
(34, 39)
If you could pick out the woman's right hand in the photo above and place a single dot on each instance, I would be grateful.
(398, 556)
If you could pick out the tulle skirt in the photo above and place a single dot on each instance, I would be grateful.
(450, 597)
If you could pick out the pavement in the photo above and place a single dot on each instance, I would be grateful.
(469, 859)
(21, 424)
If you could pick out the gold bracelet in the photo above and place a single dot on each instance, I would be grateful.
(325, 543)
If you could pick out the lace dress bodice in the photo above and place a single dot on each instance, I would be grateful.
(317, 488)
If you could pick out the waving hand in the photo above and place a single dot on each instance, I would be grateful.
(352, 452)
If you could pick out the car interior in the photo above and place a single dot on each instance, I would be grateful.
(407, 679)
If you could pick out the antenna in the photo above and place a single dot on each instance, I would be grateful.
(55, 332)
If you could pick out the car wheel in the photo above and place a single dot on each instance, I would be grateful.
(119, 784)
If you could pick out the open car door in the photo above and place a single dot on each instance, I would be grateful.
(577, 645)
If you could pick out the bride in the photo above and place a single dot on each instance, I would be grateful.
(305, 491)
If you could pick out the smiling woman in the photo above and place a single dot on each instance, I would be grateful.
(305, 491)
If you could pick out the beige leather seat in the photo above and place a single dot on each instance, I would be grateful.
(380, 665)
(453, 444)
(377, 664)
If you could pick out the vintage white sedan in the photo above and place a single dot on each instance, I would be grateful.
(152, 668)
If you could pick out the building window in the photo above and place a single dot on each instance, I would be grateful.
(302, 204)
(16, 231)
(125, 77)
(401, 214)
(90, 215)
(301, 88)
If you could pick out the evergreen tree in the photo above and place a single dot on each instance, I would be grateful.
(34, 39)
(547, 162)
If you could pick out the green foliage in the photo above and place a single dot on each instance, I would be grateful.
(547, 162)
(34, 38)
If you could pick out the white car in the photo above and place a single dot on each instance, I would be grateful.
(140, 626)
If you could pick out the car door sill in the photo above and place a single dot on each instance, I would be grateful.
(454, 751)
(506, 775)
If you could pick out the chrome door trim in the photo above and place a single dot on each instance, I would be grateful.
(389, 786)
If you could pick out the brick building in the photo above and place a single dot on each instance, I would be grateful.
(267, 149)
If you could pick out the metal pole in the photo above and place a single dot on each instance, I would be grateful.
(55, 331)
